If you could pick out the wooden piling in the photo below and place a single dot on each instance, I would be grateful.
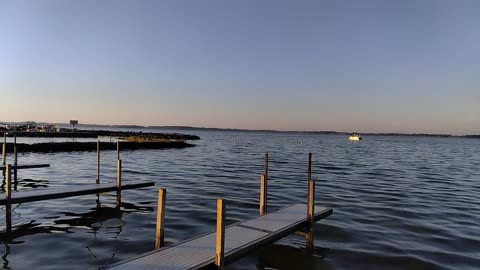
(15, 157)
(309, 167)
(98, 162)
(159, 235)
(220, 235)
(98, 172)
(263, 194)
(119, 182)
(265, 166)
(310, 214)
(4, 149)
(118, 149)
(310, 204)
(8, 196)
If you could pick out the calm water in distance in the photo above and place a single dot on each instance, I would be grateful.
(399, 202)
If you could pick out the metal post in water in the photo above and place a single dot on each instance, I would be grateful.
(159, 235)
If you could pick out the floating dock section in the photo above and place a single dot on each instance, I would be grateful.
(240, 239)
(15, 167)
(9, 198)
(86, 189)
(23, 167)
(214, 249)
(232, 242)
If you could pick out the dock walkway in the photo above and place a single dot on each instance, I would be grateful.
(57, 193)
(22, 167)
(240, 238)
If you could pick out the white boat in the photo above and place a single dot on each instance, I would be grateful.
(355, 137)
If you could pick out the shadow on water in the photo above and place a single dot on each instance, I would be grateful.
(26, 183)
(286, 257)
(281, 257)
(96, 219)
(5, 256)
(92, 219)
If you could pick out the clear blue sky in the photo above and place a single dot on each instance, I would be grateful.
(368, 66)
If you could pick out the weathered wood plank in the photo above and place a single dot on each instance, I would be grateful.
(57, 193)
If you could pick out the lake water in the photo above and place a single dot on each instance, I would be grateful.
(399, 202)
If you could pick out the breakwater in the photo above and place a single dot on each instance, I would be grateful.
(92, 146)
(101, 133)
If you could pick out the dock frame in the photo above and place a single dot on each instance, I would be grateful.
(15, 166)
(49, 194)
(232, 242)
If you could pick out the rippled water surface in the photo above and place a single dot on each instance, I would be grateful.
(399, 202)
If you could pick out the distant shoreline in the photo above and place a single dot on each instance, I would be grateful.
(65, 133)
(257, 130)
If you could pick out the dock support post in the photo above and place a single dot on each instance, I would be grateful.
(15, 157)
(4, 150)
(8, 191)
(98, 172)
(310, 214)
(98, 162)
(118, 149)
(119, 182)
(265, 167)
(159, 236)
(220, 239)
(309, 167)
(263, 194)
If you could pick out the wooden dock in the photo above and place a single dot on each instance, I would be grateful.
(240, 239)
(22, 167)
(15, 166)
(9, 198)
(214, 250)
(86, 189)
